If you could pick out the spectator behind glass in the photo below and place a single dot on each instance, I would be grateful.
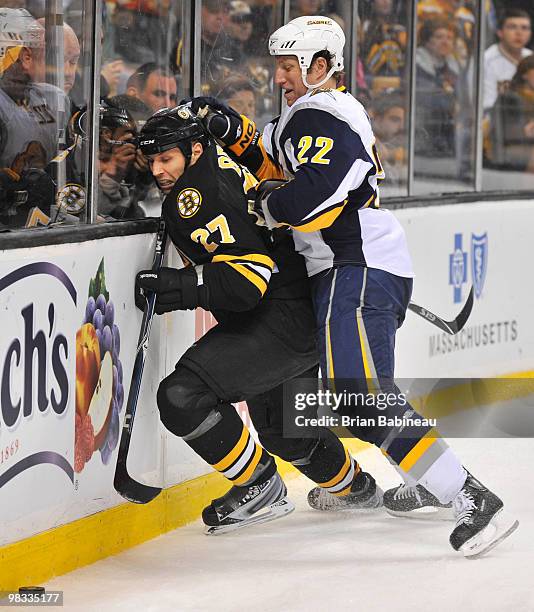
(383, 46)
(219, 54)
(29, 114)
(388, 114)
(71, 55)
(501, 59)
(238, 93)
(154, 85)
(239, 25)
(512, 122)
(116, 158)
(436, 84)
(305, 7)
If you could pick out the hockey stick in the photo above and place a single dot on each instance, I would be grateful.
(451, 327)
(124, 484)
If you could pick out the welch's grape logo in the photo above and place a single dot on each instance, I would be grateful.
(34, 373)
(99, 389)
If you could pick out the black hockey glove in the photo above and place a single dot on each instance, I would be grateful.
(175, 289)
(224, 123)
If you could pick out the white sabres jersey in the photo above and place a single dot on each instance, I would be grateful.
(325, 142)
(29, 132)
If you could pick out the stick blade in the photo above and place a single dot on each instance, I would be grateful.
(132, 490)
(462, 318)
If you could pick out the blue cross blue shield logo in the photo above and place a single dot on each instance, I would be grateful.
(457, 268)
(479, 261)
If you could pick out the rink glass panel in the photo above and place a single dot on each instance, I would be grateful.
(445, 73)
(43, 79)
(382, 84)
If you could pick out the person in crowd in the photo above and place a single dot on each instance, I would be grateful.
(238, 92)
(437, 73)
(501, 60)
(512, 122)
(117, 170)
(388, 113)
(71, 55)
(220, 55)
(33, 115)
(383, 46)
(305, 7)
(154, 85)
(239, 27)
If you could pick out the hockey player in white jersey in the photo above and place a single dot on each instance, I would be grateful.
(357, 259)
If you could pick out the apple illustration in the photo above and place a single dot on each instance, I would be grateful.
(87, 366)
(100, 405)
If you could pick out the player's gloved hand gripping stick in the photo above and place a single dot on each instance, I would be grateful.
(124, 484)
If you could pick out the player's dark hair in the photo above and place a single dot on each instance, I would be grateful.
(329, 58)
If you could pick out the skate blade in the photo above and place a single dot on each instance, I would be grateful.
(277, 510)
(499, 528)
(428, 513)
(325, 503)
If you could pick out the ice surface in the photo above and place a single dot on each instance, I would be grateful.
(312, 561)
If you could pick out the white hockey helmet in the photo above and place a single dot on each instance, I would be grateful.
(304, 37)
(18, 29)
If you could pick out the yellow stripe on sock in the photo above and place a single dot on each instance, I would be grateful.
(418, 451)
(252, 466)
(340, 475)
(344, 492)
(230, 458)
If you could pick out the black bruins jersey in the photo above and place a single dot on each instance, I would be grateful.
(209, 221)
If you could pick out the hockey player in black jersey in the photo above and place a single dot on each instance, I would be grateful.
(356, 256)
(256, 286)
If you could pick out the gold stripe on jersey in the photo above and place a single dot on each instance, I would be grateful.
(418, 450)
(234, 454)
(253, 277)
(323, 221)
(254, 258)
(245, 264)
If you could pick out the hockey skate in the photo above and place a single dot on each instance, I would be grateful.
(481, 523)
(417, 503)
(364, 495)
(242, 506)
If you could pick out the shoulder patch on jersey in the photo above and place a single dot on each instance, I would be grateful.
(188, 202)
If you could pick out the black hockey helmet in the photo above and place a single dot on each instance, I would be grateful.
(114, 117)
(172, 127)
(111, 117)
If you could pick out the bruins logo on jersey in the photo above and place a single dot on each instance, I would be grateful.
(72, 198)
(188, 202)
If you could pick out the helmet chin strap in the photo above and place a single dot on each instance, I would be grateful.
(316, 85)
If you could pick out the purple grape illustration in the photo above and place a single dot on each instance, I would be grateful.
(116, 339)
(109, 314)
(106, 339)
(98, 320)
(90, 309)
(101, 303)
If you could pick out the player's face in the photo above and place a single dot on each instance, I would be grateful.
(287, 74)
(167, 168)
(159, 92)
(515, 33)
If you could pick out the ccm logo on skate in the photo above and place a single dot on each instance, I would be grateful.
(28, 360)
